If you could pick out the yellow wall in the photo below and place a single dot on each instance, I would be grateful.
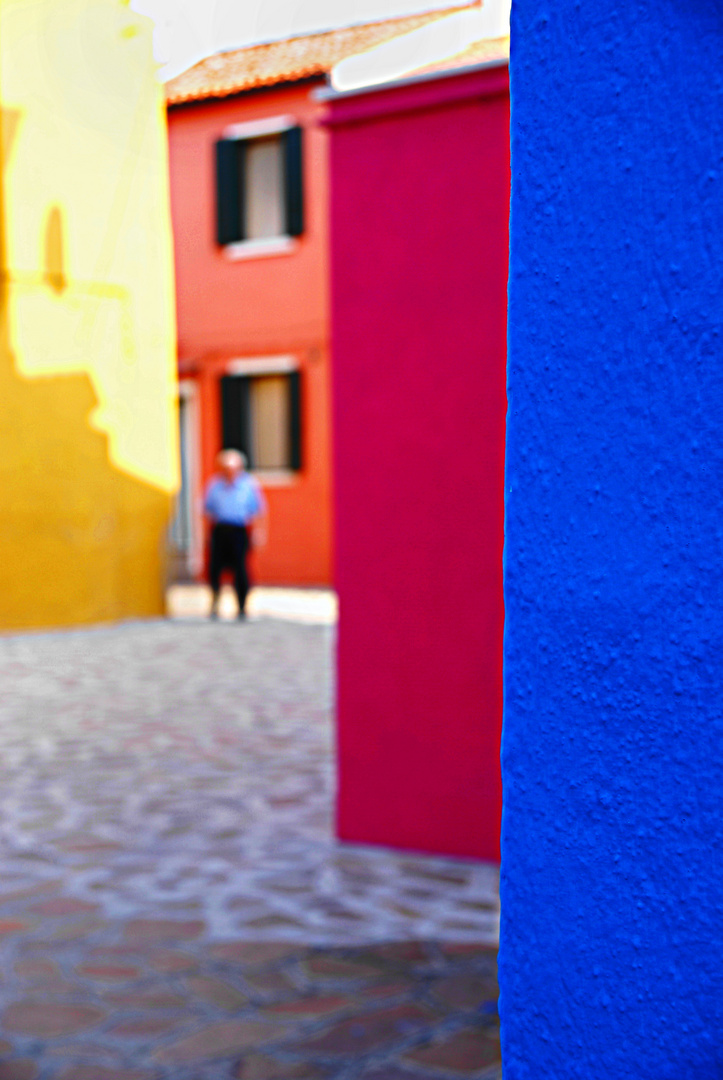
(88, 443)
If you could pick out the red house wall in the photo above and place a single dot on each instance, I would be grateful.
(420, 196)
(261, 306)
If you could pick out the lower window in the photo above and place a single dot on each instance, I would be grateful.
(261, 415)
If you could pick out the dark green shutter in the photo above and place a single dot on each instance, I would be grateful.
(229, 194)
(295, 419)
(293, 174)
(235, 414)
(241, 187)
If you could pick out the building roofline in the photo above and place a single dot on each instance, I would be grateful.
(328, 93)
(307, 68)
(209, 99)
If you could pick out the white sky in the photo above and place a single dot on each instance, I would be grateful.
(187, 30)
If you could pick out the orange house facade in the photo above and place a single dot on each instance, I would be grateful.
(250, 209)
(253, 327)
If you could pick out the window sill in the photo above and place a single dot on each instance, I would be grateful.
(260, 249)
(275, 477)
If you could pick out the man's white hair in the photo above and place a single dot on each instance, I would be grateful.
(231, 459)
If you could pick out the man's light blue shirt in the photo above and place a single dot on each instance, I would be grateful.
(237, 503)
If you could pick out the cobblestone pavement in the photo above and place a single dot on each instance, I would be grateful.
(172, 901)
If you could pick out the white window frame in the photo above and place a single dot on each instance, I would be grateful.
(274, 245)
(262, 365)
(259, 249)
(257, 129)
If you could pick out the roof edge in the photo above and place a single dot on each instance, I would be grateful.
(221, 95)
(329, 94)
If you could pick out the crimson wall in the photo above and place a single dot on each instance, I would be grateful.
(419, 226)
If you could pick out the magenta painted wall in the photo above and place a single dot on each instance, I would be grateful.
(419, 226)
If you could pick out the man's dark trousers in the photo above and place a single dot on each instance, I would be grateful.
(229, 551)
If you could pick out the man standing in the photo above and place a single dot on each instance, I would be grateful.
(233, 502)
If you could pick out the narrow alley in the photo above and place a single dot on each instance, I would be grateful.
(173, 903)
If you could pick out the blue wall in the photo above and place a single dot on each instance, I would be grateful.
(612, 943)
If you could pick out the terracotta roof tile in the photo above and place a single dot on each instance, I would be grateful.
(288, 61)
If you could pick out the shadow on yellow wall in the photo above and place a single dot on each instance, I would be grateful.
(80, 541)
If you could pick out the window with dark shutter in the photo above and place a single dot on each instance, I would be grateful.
(261, 415)
(259, 187)
(235, 427)
(229, 179)
(294, 182)
(295, 420)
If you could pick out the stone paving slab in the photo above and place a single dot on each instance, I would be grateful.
(172, 901)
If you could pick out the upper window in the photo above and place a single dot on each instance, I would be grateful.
(259, 187)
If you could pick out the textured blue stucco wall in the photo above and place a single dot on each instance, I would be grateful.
(611, 962)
